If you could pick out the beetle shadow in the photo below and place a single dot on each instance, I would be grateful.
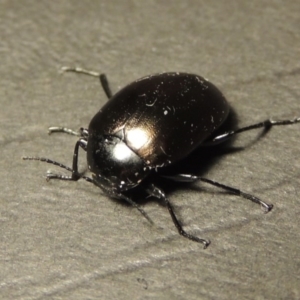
(202, 159)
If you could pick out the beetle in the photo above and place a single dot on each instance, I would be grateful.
(147, 126)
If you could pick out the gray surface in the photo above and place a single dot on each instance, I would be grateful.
(63, 240)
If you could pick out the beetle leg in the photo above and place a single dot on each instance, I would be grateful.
(53, 162)
(105, 85)
(265, 124)
(102, 77)
(157, 193)
(83, 144)
(83, 132)
(191, 178)
(75, 174)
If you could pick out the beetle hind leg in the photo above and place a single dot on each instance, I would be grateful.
(157, 193)
(267, 124)
(192, 178)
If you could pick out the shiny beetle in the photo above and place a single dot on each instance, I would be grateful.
(150, 124)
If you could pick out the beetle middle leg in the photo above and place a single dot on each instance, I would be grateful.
(267, 124)
(102, 78)
(83, 132)
(157, 193)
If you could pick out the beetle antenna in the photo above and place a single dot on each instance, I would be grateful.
(88, 179)
(130, 201)
(119, 195)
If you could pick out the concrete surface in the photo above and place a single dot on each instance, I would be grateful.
(64, 240)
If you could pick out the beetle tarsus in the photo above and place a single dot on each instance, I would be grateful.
(267, 207)
(50, 176)
(80, 70)
(64, 130)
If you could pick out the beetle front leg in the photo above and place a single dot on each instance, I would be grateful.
(157, 193)
(75, 175)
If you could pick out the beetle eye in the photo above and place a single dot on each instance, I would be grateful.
(109, 140)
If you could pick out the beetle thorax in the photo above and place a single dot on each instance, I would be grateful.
(113, 164)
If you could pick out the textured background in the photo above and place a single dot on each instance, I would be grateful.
(64, 240)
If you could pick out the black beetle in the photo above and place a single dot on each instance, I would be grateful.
(148, 125)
